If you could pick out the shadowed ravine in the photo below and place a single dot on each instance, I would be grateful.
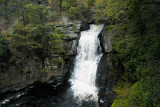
(82, 91)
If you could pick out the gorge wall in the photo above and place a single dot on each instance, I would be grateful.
(35, 69)
(108, 71)
(45, 71)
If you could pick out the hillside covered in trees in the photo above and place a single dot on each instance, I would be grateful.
(134, 26)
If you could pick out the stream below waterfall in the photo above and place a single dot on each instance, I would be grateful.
(80, 90)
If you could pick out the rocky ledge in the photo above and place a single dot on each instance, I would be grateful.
(37, 70)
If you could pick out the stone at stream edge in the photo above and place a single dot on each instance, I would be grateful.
(108, 73)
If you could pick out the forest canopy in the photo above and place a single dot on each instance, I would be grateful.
(133, 24)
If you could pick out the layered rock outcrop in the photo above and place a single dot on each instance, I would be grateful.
(72, 31)
(46, 70)
(106, 41)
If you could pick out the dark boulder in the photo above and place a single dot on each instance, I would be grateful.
(108, 73)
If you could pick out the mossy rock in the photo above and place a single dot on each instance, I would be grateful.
(121, 103)
(43, 70)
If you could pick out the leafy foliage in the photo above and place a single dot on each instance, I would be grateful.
(4, 50)
(44, 39)
(34, 35)
(136, 39)
(78, 9)
(133, 25)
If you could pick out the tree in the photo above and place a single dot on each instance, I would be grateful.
(4, 50)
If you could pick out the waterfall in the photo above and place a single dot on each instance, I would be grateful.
(84, 74)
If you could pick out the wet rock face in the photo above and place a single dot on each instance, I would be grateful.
(72, 47)
(13, 79)
(85, 26)
(108, 73)
(106, 41)
(65, 73)
(72, 31)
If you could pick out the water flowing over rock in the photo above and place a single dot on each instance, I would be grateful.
(93, 74)
(84, 75)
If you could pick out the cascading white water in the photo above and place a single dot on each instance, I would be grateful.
(89, 54)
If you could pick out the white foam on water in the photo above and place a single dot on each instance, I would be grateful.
(89, 54)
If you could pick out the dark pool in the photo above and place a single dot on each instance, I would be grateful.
(43, 95)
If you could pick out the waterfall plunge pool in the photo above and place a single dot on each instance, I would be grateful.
(82, 92)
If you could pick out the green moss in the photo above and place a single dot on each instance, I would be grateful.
(74, 27)
(121, 103)
(58, 61)
(43, 70)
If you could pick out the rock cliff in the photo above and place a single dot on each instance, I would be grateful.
(38, 70)
(108, 71)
